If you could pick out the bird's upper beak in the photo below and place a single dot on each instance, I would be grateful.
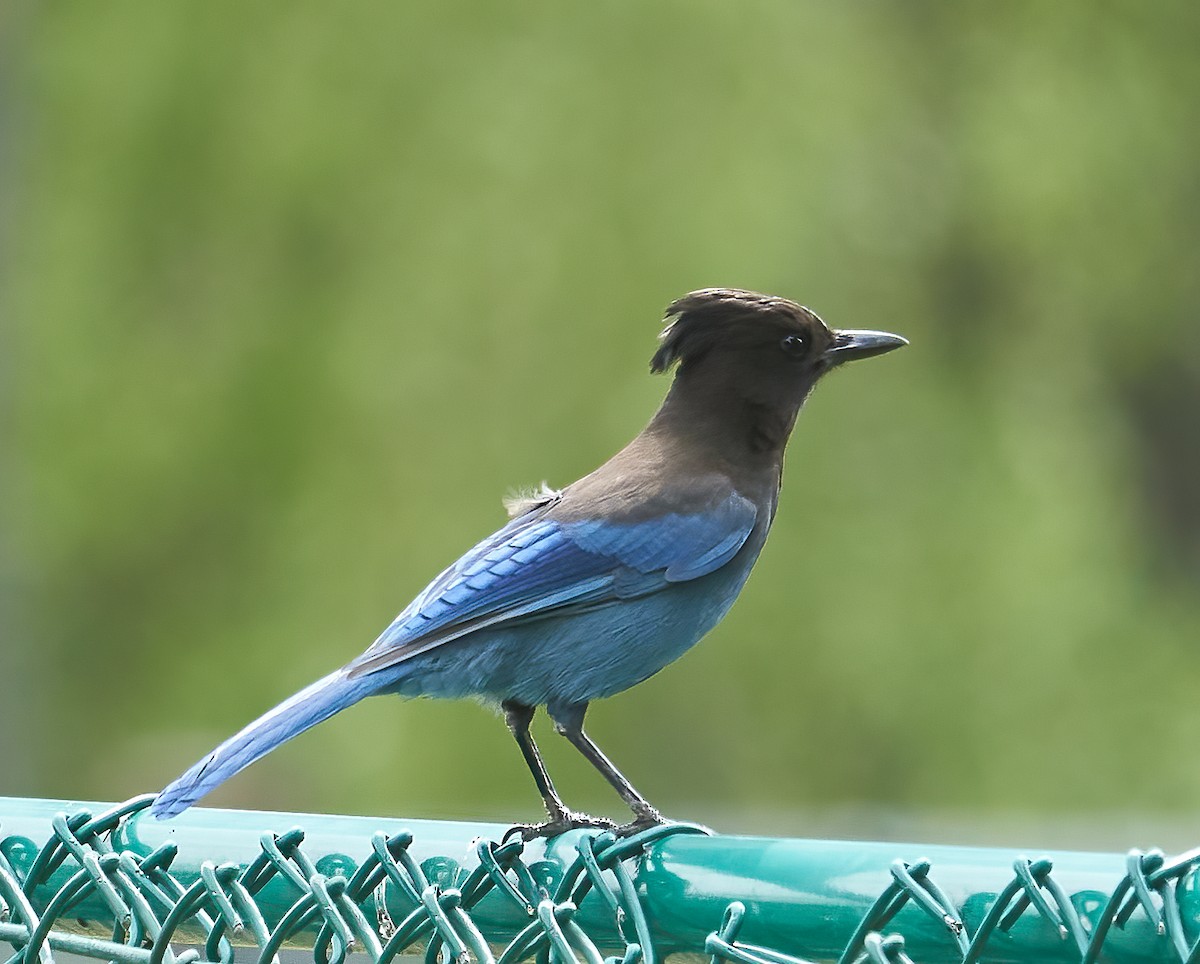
(849, 345)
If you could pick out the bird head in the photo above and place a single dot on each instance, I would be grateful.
(740, 351)
(761, 337)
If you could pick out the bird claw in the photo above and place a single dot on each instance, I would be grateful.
(643, 821)
(561, 823)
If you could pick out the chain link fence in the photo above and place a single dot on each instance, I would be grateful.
(219, 886)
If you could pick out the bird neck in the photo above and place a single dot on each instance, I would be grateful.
(726, 427)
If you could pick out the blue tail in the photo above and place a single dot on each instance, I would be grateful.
(290, 718)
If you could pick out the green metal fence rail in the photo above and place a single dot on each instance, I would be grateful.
(112, 883)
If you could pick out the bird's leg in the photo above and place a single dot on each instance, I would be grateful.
(518, 716)
(568, 720)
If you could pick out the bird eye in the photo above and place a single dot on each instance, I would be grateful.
(795, 345)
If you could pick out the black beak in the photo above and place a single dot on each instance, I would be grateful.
(851, 345)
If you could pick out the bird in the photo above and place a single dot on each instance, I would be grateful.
(593, 588)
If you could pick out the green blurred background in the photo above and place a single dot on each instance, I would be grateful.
(292, 295)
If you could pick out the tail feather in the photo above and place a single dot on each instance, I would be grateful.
(290, 718)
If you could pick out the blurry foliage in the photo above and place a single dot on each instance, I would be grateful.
(294, 295)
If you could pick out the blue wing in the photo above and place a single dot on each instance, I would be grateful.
(538, 565)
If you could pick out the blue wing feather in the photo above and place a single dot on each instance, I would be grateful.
(536, 565)
(683, 545)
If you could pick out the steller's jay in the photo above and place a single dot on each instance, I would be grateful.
(593, 588)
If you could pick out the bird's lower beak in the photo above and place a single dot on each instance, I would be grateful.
(851, 345)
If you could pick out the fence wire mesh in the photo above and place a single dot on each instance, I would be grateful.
(98, 885)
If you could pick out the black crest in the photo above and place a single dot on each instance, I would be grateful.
(697, 321)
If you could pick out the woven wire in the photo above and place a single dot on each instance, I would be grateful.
(153, 914)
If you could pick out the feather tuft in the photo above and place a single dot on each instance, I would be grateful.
(526, 500)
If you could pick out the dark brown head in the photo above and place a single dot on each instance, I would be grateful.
(753, 357)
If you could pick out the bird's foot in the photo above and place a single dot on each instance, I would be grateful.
(559, 823)
(643, 820)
